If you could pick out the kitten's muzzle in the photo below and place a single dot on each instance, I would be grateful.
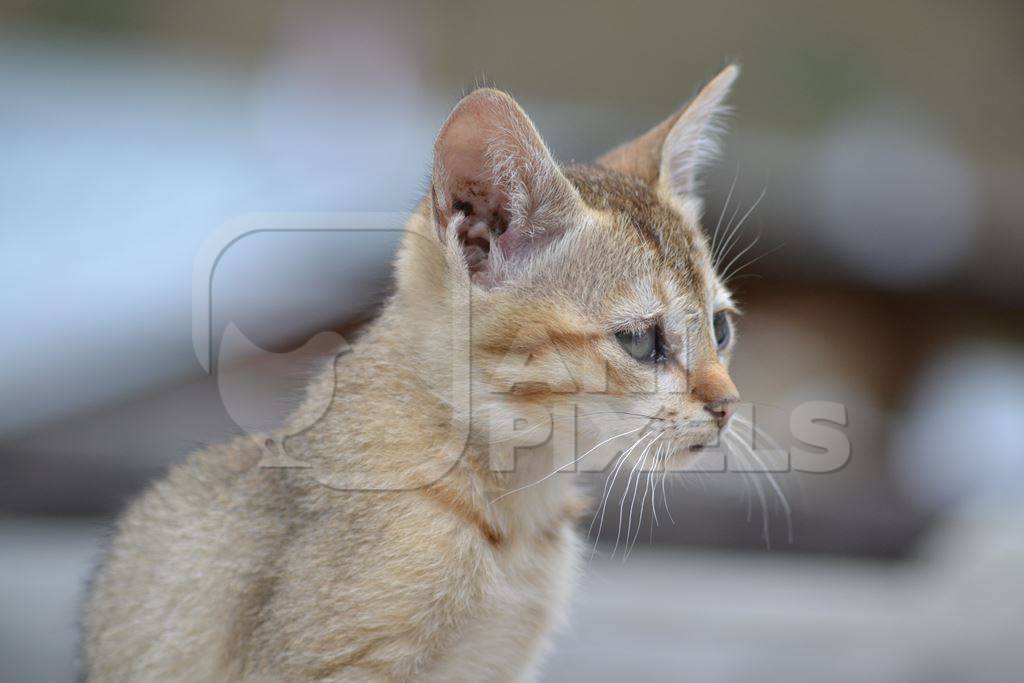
(721, 410)
(712, 386)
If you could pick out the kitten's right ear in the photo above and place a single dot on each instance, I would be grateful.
(496, 184)
(673, 152)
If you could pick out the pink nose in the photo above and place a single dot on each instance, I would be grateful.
(711, 385)
(721, 411)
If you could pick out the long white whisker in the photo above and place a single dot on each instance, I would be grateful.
(774, 484)
(625, 493)
(750, 499)
(621, 458)
(757, 431)
(622, 503)
(568, 464)
(762, 434)
(643, 502)
(735, 231)
(609, 482)
(724, 272)
(721, 215)
(760, 495)
(616, 412)
(725, 237)
(748, 492)
(629, 524)
(727, 245)
(664, 479)
(732, 276)
(657, 464)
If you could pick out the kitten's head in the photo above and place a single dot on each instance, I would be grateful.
(592, 287)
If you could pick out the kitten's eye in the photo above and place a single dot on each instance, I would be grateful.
(723, 329)
(645, 346)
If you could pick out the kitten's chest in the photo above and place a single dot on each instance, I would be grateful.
(524, 598)
(534, 574)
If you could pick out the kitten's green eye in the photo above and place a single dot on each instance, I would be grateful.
(645, 346)
(723, 329)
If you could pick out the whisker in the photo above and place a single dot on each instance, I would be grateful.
(629, 524)
(721, 215)
(643, 502)
(664, 480)
(727, 244)
(658, 462)
(765, 521)
(732, 276)
(622, 503)
(724, 272)
(768, 475)
(738, 417)
(569, 464)
(725, 237)
(609, 482)
(748, 494)
(762, 434)
(623, 412)
(757, 482)
(733, 280)
(750, 500)
(571, 418)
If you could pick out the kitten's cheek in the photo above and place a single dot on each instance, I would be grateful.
(668, 413)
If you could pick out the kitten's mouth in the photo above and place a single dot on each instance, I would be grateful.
(696, 448)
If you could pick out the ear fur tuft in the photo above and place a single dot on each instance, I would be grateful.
(673, 152)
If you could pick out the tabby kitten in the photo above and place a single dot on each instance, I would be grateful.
(404, 551)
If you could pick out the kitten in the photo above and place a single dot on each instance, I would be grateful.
(404, 552)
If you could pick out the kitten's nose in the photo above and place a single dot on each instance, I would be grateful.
(721, 411)
(713, 387)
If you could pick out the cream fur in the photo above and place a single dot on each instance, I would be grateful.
(401, 554)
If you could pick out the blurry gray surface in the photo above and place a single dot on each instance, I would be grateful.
(723, 617)
(948, 615)
(43, 573)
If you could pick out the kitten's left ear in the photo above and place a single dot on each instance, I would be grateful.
(496, 185)
(672, 153)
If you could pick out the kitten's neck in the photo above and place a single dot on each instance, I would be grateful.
(535, 498)
(416, 353)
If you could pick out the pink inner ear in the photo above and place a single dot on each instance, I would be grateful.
(491, 166)
(484, 222)
(469, 186)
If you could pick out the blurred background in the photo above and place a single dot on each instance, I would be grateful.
(884, 136)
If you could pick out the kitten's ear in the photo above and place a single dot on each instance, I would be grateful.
(496, 184)
(673, 152)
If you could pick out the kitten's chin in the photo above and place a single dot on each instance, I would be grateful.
(688, 457)
(692, 447)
